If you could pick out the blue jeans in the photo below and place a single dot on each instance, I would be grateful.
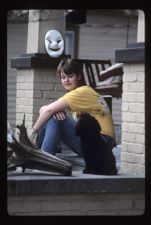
(56, 131)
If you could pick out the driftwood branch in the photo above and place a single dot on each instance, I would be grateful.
(23, 153)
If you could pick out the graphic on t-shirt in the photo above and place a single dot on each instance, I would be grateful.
(104, 106)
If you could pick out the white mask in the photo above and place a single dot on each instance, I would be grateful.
(54, 43)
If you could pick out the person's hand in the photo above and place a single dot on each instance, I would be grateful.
(59, 116)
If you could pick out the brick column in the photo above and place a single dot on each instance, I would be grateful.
(133, 109)
(35, 87)
(37, 83)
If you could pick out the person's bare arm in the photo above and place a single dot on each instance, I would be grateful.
(48, 111)
(57, 116)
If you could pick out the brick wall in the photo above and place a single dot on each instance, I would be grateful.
(35, 87)
(133, 128)
(77, 204)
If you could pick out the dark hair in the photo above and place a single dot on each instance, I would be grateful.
(70, 66)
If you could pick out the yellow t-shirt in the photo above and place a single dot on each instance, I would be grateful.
(85, 99)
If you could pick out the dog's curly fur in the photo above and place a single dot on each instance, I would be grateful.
(98, 155)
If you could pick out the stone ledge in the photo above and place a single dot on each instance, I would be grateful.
(33, 184)
(35, 60)
(134, 53)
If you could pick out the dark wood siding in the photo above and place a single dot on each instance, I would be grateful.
(104, 33)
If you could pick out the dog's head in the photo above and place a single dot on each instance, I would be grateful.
(87, 126)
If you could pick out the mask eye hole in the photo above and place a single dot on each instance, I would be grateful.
(50, 41)
(59, 41)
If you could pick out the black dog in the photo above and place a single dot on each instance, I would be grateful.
(98, 155)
